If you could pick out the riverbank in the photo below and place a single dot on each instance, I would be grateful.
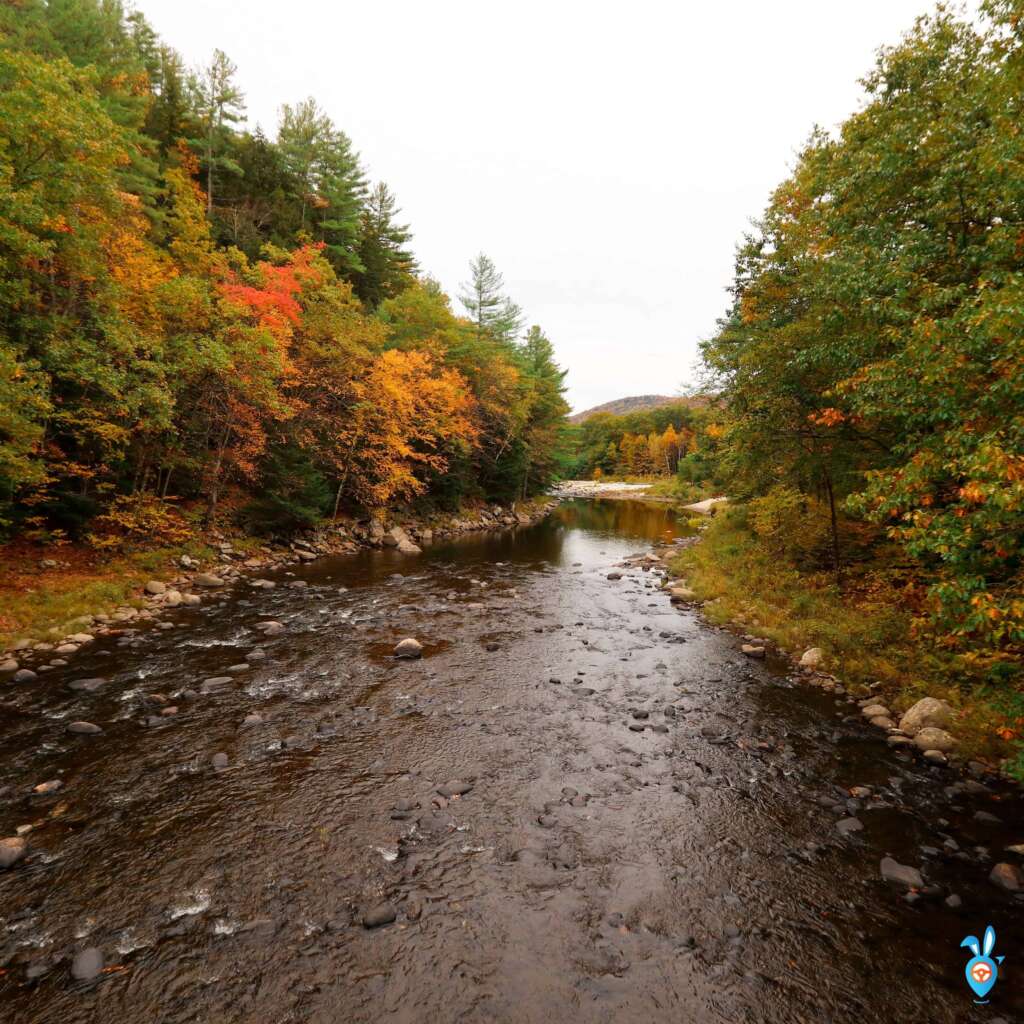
(58, 600)
(860, 640)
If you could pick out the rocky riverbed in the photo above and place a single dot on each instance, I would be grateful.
(572, 800)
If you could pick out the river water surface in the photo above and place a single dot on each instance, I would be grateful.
(687, 872)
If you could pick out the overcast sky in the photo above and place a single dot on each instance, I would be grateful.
(607, 157)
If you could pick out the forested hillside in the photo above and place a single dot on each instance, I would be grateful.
(871, 367)
(201, 320)
(667, 440)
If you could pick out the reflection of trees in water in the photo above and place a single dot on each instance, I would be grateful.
(624, 518)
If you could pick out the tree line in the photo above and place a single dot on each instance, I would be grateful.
(196, 316)
(674, 439)
(872, 359)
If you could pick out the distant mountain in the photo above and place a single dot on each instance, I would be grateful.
(638, 403)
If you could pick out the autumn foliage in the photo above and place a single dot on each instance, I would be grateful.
(190, 312)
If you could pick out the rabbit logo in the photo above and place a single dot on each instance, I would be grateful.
(981, 969)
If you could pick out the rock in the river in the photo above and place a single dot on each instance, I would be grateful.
(899, 741)
(935, 757)
(270, 628)
(11, 851)
(24, 675)
(383, 913)
(455, 787)
(812, 658)
(87, 964)
(191, 599)
(84, 729)
(934, 739)
(172, 598)
(847, 826)
(901, 874)
(882, 722)
(682, 594)
(407, 547)
(1007, 877)
(219, 760)
(87, 685)
(875, 711)
(927, 713)
(46, 788)
(408, 648)
(253, 718)
(205, 579)
(615, 576)
(753, 650)
(9, 665)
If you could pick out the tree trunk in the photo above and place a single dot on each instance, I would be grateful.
(834, 529)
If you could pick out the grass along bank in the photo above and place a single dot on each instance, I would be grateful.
(869, 627)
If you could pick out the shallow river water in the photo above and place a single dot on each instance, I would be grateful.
(688, 872)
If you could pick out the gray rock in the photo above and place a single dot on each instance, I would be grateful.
(215, 683)
(408, 648)
(270, 628)
(84, 729)
(12, 850)
(847, 826)
(219, 760)
(455, 787)
(1007, 877)
(953, 901)
(205, 579)
(24, 675)
(87, 964)
(383, 913)
(87, 685)
(901, 874)
(927, 713)
(615, 576)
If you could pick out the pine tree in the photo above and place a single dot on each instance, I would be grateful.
(388, 266)
(493, 314)
(218, 104)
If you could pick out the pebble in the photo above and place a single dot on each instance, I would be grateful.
(455, 787)
(87, 964)
(847, 826)
(408, 648)
(383, 913)
(1007, 877)
(24, 675)
(901, 874)
(11, 851)
(84, 729)
(219, 760)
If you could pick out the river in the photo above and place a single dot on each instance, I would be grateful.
(687, 872)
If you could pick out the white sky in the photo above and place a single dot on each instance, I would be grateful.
(608, 157)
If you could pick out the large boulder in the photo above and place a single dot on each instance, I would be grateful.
(934, 739)
(395, 537)
(407, 547)
(927, 713)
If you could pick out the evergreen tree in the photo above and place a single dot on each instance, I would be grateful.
(494, 315)
(218, 104)
(388, 266)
